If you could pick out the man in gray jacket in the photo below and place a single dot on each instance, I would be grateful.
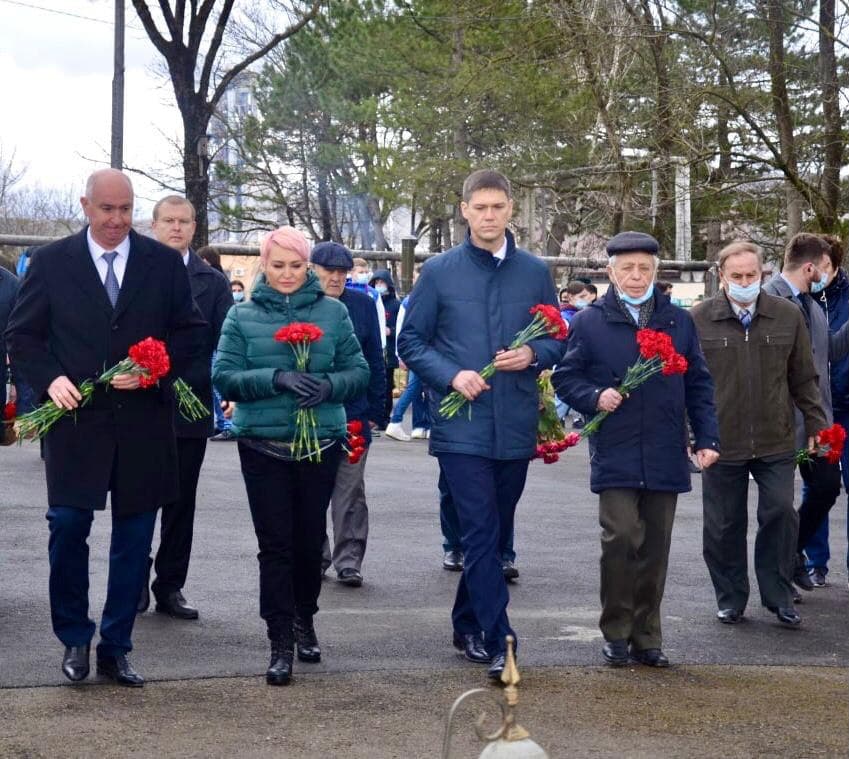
(759, 354)
(802, 275)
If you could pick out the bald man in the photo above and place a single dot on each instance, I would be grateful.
(86, 299)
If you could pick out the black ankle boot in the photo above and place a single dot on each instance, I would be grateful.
(280, 667)
(306, 640)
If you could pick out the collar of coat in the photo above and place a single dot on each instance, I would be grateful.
(485, 257)
(267, 297)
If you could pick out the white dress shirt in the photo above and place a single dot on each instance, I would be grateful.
(501, 253)
(119, 265)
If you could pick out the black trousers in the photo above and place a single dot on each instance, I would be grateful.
(288, 502)
(389, 401)
(822, 486)
(178, 520)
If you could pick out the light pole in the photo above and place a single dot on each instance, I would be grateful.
(117, 154)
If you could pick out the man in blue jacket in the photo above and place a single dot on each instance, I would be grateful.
(468, 304)
(639, 454)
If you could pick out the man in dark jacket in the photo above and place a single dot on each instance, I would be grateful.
(759, 354)
(468, 304)
(801, 279)
(639, 454)
(348, 508)
(174, 226)
(8, 293)
(383, 284)
(85, 301)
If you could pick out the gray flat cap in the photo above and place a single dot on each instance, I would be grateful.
(632, 242)
(332, 255)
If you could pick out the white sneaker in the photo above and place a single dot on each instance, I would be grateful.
(396, 431)
(419, 433)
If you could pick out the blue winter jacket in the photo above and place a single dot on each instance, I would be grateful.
(642, 445)
(466, 306)
(834, 300)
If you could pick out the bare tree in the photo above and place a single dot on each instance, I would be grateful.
(200, 79)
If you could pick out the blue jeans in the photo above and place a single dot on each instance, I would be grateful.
(413, 394)
(222, 423)
(816, 549)
(128, 565)
(485, 492)
(449, 522)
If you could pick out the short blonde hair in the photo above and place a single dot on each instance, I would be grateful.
(361, 262)
(738, 247)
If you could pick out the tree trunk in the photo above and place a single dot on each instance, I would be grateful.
(832, 135)
(376, 224)
(324, 206)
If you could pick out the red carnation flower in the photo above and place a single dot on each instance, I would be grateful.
(356, 426)
(10, 411)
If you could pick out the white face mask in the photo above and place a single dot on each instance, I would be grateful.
(362, 279)
(632, 300)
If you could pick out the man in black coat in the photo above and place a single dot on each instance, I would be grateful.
(8, 292)
(85, 301)
(382, 282)
(174, 225)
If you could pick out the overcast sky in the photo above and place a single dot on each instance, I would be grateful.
(56, 90)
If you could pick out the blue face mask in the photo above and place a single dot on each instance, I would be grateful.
(381, 289)
(632, 300)
(745, 295)
(238, 296)
(581, 303)
(817, 287)
(362, 279)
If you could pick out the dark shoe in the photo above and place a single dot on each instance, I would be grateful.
(119, 669)
(649, 657)
(817, 575)
(174, 604)
(223, 436)
(496, 667)
(729, 616)
(453, 561)
(75, 662)
(144, 597)
(797, 596)
(350, 577)
(789, 617)
(510, 571)
(615, 652)
(693, 467)
(577, 424)
(279, 670)
(472, 647)
(306, 641)
(801, 578)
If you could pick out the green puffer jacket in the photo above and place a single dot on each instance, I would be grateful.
(248, 356)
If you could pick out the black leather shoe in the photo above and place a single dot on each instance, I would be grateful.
(453, 561)
(797, 596)
(649, 657)
(306, 641)
(174, 604)
(789, 617)
(817, 575)
(119, 669)
(350, 577)
(615, 652)
(510, 571)
(801, 578)
(729, 616)
(496, 668)
(144, 597)
(472, 647)
(75, 662)
(279, 670)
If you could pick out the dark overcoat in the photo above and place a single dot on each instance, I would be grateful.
(64, 324)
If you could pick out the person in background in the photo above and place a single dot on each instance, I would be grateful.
(665, 287)
(834, 300)
(24, 396)
(8, 293)
(359, 280)
(348, 508)
(288, 496)
(577, 298)
(384, 286)
(174, 225)
(210, 256)
(593, 292)
(237, 288)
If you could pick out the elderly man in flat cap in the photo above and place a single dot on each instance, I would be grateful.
(639, 454)
(348, 508)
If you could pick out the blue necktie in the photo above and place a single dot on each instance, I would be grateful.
(111, 281)
(745, 318)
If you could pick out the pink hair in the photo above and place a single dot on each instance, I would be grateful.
(287, 238)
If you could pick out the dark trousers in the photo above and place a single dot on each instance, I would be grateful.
(485, 493)
(822, 486)
(725, 489)
(636, 530)
(68, 551)
(388, 400)
(449, 522)
(178, 521)
(288, 502)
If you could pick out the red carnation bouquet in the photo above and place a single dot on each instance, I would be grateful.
(7, 432)
(300, 336)
(828, 444)
(552, 439)
(547, 322)
(657, 356)
(148, 359)
(356, 443)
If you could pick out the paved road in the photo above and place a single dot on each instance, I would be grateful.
(399, 620)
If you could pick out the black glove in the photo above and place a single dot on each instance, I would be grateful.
(319, 395)
(302, 385)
